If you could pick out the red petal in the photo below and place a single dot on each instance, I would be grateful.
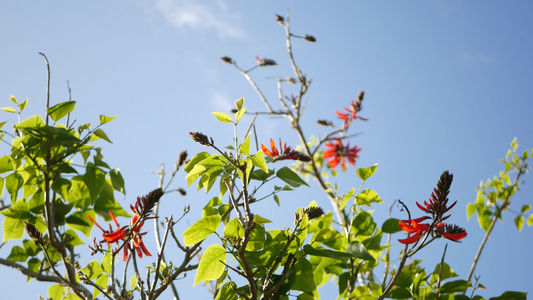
(412, 239)
(421, 207)
(454, 236)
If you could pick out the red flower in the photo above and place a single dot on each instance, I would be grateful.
(337, 153)
(452, 232)
(413, 226)
(124, 233)
(351, 114)
(286, 151)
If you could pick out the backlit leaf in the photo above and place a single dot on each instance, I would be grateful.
(60, 110)
(290, 177)
(106, 119)
(211, 264)
(200, 230)
(365, 173)
(222, 117)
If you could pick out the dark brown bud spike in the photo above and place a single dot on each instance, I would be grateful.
(227, 59)
(200, 138)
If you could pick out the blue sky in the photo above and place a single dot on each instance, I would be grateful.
(447, 87)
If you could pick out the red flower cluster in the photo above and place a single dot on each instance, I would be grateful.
(126, 233)
(436, 207)
(338, 153)
(284, 152)
(131, 235)
(351, 114)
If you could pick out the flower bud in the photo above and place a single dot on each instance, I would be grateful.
(325, 123)
(263, 61)
(182, 158)
(200, 138)
(34, 234)
(227, 59)
(280, 19)
(309, 38)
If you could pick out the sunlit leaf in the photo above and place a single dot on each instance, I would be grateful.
(365, 173)
(211, 264)
(222, 117)
(56, 291)
(8, 109)
(239, 103)
(60, 110)
(200, 230)
(106, 119)
(367, 197)
(93, 269)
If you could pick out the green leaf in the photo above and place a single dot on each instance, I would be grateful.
(117, 180)
(346, 198)
(357, 249)
(5, 164)
(13, 99)
(239, 114)
(106, 119)
(197, 158)
(18, 254)
(519, 222)
(367, 197)
(102, 282)
(234, 229)
(325, 252)
(222, 117)
(239, 103)
(259, 161)
(304, 276)
(211, 264)
(13, 184)
(226, 292)
(56, 292)
(94, 180)
(289, 177)
(93, 269)
(23, 105)
(365, 173)
(31, 122)
(79, 221)
(260, 220)
(511, 296)
(8, 109)
(244, 149)
(525, 208)
(391, 226)
(101, 134)
(530, 220)
(470, 210)
(200, 230)
(60, 110)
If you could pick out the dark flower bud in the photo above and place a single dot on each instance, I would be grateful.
(182, 158)
(34, 234)
(227, 59)
(280, 19)
(263, 61)
(314, 212)
(309, 38)
(182, 191)
(200, 138)
(325, 123)
(361, 96)
(234, 110)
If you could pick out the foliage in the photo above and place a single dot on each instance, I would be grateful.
(57, 183)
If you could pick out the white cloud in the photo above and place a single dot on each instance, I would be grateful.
(201, 15)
